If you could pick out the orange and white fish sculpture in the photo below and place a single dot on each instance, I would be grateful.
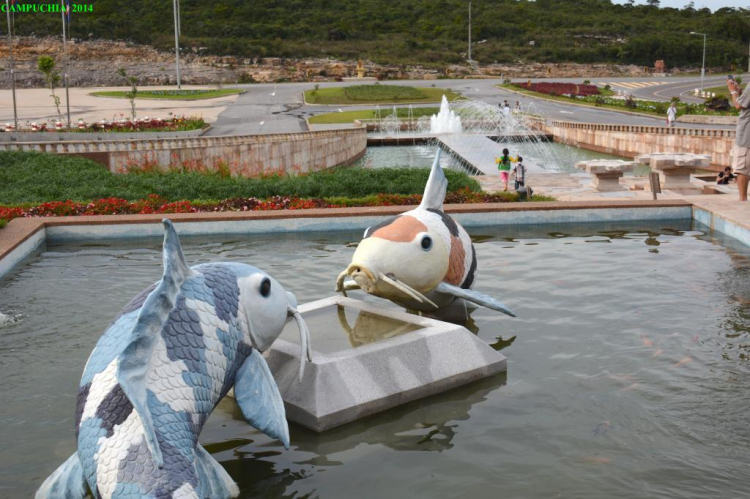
(422, 259)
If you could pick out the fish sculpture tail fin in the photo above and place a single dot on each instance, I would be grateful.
(436, 188)
(67, 481)
(133, 362)
(214, 479)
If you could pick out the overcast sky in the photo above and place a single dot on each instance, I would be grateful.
(711, 4)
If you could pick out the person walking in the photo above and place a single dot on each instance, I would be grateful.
(741, 149)
(517, 110)
(503, 165)
(519, 171)
(672, 114)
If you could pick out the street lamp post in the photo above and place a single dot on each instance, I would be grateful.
(177, 40)
(469, 32)
(703, 68)
(12, 68)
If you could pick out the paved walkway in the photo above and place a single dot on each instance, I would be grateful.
(727, 207)
(576, 187)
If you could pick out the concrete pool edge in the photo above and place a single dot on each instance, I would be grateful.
(22, 236)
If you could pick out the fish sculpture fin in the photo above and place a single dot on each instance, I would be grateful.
(437, 186)
(133, 362)
(474, 297)
(67, 481)
(212, 477)
(259, 399)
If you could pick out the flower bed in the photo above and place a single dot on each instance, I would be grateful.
(552, 88)
(157, 204)
(121, 125)
(627, 103)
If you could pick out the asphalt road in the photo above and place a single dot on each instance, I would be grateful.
(279, 108)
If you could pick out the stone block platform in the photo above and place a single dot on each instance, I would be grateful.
(367, 359)
(607, 173)
(675, 170)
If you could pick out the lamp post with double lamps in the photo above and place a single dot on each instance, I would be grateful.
(703, 68)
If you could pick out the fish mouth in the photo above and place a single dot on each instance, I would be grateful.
(304, 334)
(370, 282)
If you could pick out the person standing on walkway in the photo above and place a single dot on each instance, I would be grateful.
(503, 165)
(672, 114)
(506, 108)
(519, 171)
(741, 149)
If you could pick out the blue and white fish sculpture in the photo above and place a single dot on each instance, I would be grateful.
(160, 369)
(422, 260)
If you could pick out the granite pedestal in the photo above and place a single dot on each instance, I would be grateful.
(607, 173)
(367, 359)
(675, 170)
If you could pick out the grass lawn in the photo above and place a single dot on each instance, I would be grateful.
(173, 94)
(31, 177)
(377, 94)
(370, 114)
(721, 91)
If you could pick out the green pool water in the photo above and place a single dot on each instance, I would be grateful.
(628, 369)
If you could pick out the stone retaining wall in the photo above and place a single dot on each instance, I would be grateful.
(632, 140)
(249, 155)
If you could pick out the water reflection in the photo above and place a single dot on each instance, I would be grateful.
(370, 328)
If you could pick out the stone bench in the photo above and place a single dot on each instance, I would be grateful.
(606, 172)
(675, 169)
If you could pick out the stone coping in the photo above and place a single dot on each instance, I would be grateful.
(661, 130)
(200, 141)
(20, 230)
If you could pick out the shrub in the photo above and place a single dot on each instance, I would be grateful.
(555, 88)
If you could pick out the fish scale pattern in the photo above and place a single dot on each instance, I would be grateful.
(200, 348)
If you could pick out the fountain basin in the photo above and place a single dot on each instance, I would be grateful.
(382, 359)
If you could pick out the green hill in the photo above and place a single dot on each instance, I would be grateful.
(431, 32)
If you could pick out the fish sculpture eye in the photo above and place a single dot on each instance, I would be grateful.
(265, 287)
(426, 243)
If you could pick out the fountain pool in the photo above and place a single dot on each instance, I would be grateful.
(422, 156)
(627, 368)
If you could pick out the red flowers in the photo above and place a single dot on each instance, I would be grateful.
(552, 88)
(157, 204)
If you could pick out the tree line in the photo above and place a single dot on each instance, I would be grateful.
(431, 32)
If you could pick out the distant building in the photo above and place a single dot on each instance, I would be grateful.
(660, 68)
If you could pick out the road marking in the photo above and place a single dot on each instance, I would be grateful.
(636, 84)
(565, 112)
